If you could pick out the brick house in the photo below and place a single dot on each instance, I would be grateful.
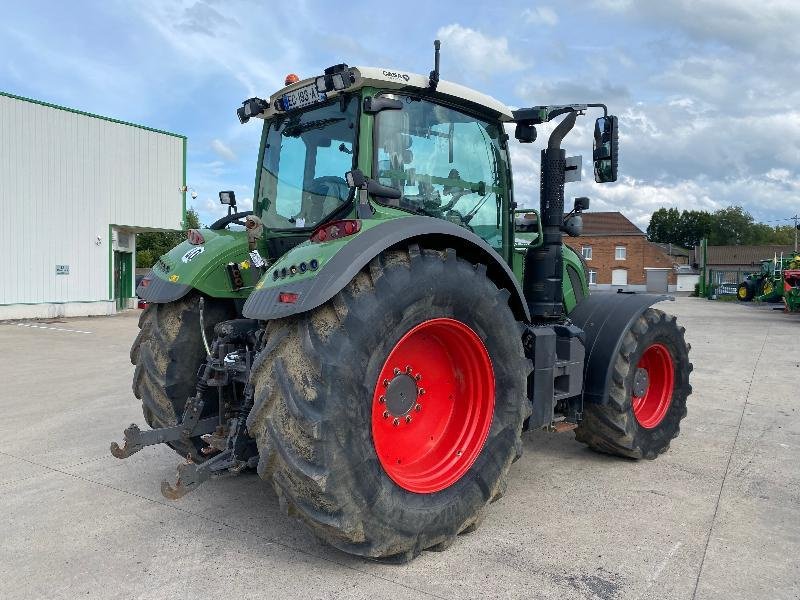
(618, 254)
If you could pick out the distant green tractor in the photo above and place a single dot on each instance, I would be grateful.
(767, 285)
(381, 329)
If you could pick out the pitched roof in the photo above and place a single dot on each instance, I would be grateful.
(608, 223)
(742, 255)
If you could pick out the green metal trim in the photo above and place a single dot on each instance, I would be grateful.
(183, 192)
(261, 144)
(88, 114)
(111, 264)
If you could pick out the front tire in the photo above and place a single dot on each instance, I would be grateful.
(745, 291)
(167, 353)
(391, 485)
(648, 391)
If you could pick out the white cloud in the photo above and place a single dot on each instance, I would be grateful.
(478, 52)
(223, 150)
(540, 15)
(769, 26)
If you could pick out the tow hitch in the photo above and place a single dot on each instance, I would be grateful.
(230, 448)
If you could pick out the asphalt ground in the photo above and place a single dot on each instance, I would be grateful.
(717, 516)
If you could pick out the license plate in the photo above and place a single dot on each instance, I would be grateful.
(301, 97)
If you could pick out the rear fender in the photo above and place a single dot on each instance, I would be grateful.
(201, 267)
(341, 260)
(605, 317)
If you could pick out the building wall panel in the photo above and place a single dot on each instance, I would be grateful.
(65, 178)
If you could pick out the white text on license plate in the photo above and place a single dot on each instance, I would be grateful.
(304, 96)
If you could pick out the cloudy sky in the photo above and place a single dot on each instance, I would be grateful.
(706, 90)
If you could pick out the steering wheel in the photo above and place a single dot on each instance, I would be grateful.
(318, 186)
(319, 189)
(232, 218)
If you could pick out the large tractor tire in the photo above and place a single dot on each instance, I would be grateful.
(746, 291)
(387, 419)
(167, 354)
(648, 391)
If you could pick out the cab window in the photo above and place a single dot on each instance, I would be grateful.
(306, 156)
(447, 164)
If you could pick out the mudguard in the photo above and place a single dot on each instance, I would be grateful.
(200, 267)
(340, 260)
(605, 317)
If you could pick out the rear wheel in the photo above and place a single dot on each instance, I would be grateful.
(648, 391)
(167, 354)
(388, 418)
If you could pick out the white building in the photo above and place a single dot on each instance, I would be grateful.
(74, 190)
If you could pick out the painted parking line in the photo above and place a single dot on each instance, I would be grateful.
(48, 327)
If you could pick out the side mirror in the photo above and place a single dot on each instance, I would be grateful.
(581, 204)
(357, 179)
(525, 133)
(606, 149)
(354, 178)
(228, 198)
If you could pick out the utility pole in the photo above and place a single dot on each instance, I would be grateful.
(796, 230)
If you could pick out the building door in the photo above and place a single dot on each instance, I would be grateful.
(123, 276)
(619, 277)
(657, 280)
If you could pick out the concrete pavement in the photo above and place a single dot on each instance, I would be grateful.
(717, 516)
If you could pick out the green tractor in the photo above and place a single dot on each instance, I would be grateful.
(767, 285)
(376, 335)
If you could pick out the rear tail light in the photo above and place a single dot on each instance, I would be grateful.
(288, 297)
(195, 237)
(335, 230)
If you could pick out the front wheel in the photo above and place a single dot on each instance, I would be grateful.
(167, 353)
(647, 393)
(388, 418)
(745, 291)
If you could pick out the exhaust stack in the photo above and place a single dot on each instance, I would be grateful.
(544, 265)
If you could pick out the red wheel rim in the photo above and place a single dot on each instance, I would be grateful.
(655, 378)
(433, 405)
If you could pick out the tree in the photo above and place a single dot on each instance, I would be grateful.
(151, 245)
(695, 225)
(731, 226)
(664, 226)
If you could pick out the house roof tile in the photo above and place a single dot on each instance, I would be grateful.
(608, 223)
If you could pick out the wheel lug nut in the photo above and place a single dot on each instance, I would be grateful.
(421, 391)
(418, 407)
(408, 418)
(385, 383)
(458, 453)
(408, 369)
(386, 414)
(396, 371)
(382, 399)
(396, 422)
(417, 376)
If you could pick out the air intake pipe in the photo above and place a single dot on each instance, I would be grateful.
(544, 265)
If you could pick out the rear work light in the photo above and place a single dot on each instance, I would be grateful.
(195, 237)
(335, 230)
(288, 297)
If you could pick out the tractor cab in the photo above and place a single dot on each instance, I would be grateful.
(419, 146)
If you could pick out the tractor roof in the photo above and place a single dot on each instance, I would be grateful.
(403, 81)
